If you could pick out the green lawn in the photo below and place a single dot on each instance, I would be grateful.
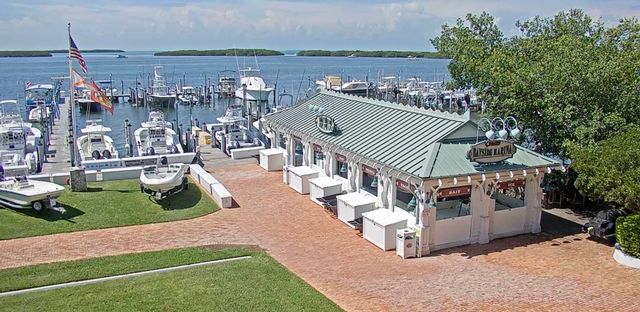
(107, 204)
(256, 284)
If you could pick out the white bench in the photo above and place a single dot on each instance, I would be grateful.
(212, 186)
(246, 152)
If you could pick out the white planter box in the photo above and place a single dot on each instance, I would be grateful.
(299, 178)
(381, 226)
(324, 186)
(351, 206)
(272, 159)
(452, 232)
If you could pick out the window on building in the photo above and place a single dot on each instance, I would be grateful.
(318, 156)
(342, 168)
(282, 141)
(369, 180)
(453, 202)
(406, 201)
(298, 150)
(509, 195)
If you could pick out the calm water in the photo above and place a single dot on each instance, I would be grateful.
(293, 74)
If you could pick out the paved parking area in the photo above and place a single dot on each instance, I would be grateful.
(557, 272)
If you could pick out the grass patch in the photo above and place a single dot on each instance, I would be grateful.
(256, 284)
(106, 204)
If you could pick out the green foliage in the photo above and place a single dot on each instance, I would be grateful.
(225, 52)
(610, 169)
(628, 234)
(569, 78)
(24, 54)
(360, 53)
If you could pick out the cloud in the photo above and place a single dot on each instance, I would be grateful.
(276, 24)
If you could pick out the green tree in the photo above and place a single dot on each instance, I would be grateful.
(610, 169)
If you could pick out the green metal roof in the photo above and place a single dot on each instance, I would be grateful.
(392, 135)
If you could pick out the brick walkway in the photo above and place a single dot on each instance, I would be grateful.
(529, 272)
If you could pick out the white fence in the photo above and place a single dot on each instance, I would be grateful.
(100, 164)
(219, 193)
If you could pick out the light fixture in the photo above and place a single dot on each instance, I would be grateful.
(489, 134)
(503, 134)
(374, 182)
(432, 203)
(411, 205)
(343, 168)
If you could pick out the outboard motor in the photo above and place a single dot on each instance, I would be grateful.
(96, 155)
(467, 99)
(106, 154)
(164, 161)
(150, 151)
(173, 149)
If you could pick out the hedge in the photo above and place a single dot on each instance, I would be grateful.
(628, 234)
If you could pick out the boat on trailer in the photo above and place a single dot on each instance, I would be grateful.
(20, 192)
(163, 179)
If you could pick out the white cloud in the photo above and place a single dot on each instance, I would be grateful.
(269, 24)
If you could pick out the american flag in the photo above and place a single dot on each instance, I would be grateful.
(75, 53)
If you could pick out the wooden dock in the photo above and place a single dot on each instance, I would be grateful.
(58, 157)
(215, 158)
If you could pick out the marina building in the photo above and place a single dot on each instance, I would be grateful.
(408, 174)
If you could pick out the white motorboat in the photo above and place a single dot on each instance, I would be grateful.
(160, 95)
(227, 83)
(155, 137)
(329, 82)
(94, 143)
(163, 179)
(18, 143)
(84, 100)
(188, 96)
(355, 87)
(19, 192)
(252, 84)
(39, 113)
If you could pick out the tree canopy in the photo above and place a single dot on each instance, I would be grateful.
(569, 78)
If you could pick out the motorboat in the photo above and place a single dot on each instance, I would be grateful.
(39, 113)
(120, 56)
(18, 142)
(252, 84)
(356, 87)
(94, 143)
(155, 137)
(329, 82)
(227, 83)
(38, 94)
(188, 96)
(20, 192)
(160, 95)
(84, 100)
(163, 179)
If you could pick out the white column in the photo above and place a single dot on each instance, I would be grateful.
(533, 199)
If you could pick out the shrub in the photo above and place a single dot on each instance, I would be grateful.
(628, 234)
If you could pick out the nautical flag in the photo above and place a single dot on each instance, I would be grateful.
(77, 80)
(75, 53)
(27, 84)
(99, 97)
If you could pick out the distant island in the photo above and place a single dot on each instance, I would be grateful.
(90, 51)
(44, 53)
(225, 52)
(25, 54)
(359, 53)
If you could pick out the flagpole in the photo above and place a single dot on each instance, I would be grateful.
(72, 105)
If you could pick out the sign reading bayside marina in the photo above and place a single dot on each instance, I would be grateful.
(491, 151)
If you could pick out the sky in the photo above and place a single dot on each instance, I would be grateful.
(148, 25)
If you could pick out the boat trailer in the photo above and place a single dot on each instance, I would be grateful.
(159, 195)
